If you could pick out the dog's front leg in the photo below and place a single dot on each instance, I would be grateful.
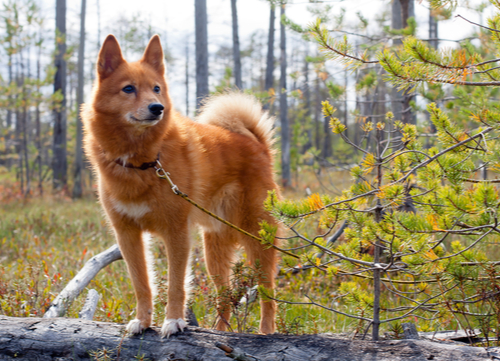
(178, 248)
(131, 243)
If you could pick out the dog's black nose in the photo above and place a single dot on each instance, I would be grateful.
(156, 108)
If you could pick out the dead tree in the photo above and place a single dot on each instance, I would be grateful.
(201, 39)
(285, 127)
(77, 187)
(59, 163)
(236, 47)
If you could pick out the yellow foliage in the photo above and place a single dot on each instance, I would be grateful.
(315, 201)
(430, 255)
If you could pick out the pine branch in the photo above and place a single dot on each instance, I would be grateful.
(481, 26)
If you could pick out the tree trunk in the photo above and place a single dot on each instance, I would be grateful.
(25, 73)
(57, 339)
(285, 128)
(307, 96)
(38, 124)
(77, 187)
(236, 47)
(307, 88)
(201, 51)
(378, 246)
(9, 117)
(59, 162)
(187, 78)
(19, 127)
(434, 42)
(25, 117)
(327, 144)
(269, 81)
(346, 111)
(433, 31)
(401, 11)
(317, 113)
(98, 8)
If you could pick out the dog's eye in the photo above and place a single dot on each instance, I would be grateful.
(129, 89)
(156, 89)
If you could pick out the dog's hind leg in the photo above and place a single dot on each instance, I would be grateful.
(131, 243)
(178, 252)
(219, 255)
(266, 259)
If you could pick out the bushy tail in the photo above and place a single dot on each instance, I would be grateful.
(239, 113)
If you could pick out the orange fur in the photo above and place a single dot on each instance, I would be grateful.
(223, 162)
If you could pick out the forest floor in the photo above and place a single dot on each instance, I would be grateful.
(46, 240)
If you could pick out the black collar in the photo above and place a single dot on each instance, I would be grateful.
(143, 166)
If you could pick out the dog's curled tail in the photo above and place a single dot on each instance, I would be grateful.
(239, 113)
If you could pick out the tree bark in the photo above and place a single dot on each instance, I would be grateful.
(187, 78)
(236, 47)
(285, 127)
(98, 8)
(24, 339)
(38, 125)
(201, 51)
(25, 118)
(434, 42)
(401, 11)
(90, 306)
(317, 113)
(433, 31)
(307, 96)
(9, 116)
(59, 162)
(77, 187)
(269, 79)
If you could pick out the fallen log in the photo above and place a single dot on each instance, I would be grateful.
(65, 339)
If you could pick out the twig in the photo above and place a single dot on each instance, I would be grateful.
(235, 353)
(482, 26)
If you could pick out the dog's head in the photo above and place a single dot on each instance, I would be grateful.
(134, 94)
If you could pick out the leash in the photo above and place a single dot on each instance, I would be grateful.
(162, 174)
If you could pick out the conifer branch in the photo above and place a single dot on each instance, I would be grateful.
(467, 248)
(481, 26)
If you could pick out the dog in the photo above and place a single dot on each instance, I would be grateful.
(223, 161)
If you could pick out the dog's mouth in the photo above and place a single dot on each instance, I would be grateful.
(150, 119)
(144, 122)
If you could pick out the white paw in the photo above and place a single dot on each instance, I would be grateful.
(134, 327)
(171, 326)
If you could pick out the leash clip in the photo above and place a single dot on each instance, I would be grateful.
(160, 172)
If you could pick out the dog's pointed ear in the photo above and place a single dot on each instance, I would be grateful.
(110, 57)
(153, 55)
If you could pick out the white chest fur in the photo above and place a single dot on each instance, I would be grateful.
(132, 210)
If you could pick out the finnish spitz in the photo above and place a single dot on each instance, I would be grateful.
(223, 161)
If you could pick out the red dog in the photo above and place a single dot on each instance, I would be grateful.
(223, 161)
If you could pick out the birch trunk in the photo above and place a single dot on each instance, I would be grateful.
(201, 51)
(236, 47)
